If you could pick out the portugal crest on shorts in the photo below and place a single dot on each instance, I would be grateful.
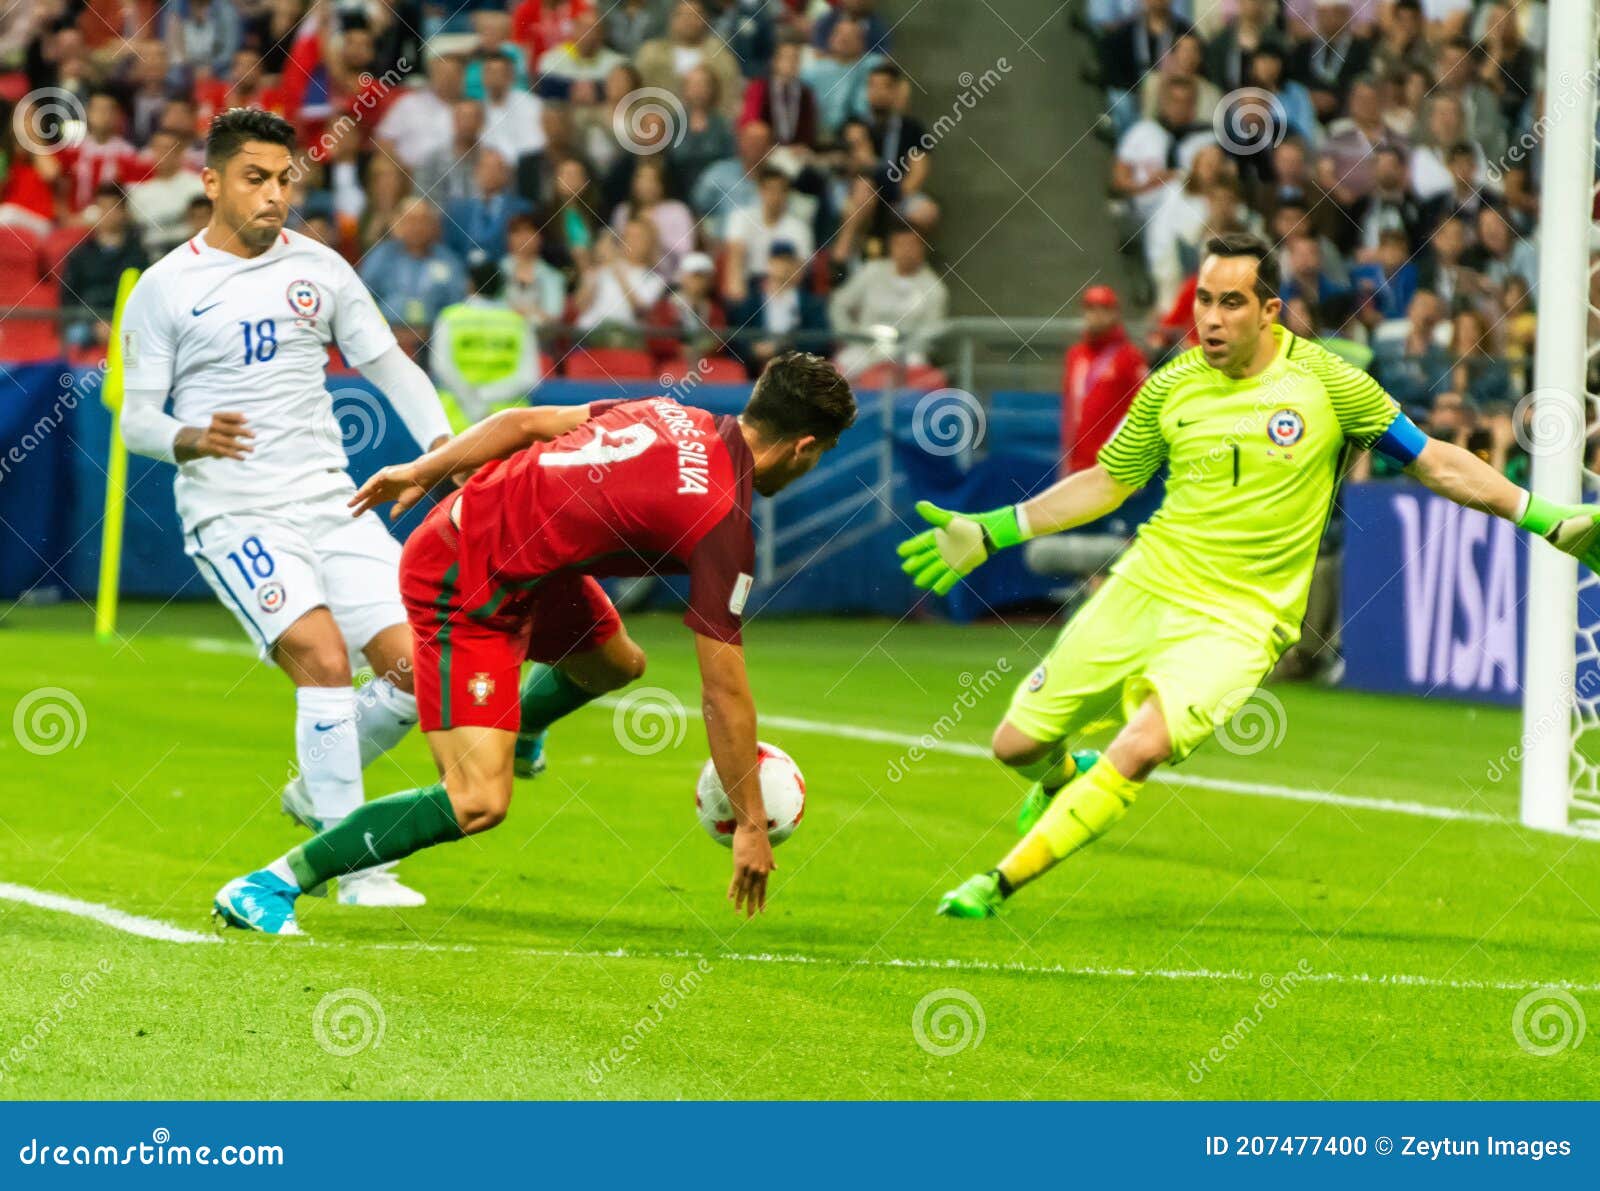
(305, 299)
(270, 596)
(1285, 428)
(480, 687)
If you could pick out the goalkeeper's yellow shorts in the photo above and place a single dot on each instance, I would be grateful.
(1127, 643)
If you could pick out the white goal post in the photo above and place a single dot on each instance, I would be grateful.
(1561, 716)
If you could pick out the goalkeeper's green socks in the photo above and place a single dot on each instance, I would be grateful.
(377, 832)
(547, 695)
(1083, 811)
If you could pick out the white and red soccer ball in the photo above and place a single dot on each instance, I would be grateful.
(783, 793)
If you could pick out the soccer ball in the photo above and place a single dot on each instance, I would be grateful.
(783, 793)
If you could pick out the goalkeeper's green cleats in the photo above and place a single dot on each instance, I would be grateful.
(1033, 806)
(976, 897)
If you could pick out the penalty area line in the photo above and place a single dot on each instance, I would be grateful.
(129, 924)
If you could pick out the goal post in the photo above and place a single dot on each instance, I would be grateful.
(1555, 713)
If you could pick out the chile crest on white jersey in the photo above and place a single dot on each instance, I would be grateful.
(226, 333)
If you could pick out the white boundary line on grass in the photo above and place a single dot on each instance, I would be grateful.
(132, 924)
(150, 928)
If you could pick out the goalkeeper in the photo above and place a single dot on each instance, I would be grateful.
(1253, 426)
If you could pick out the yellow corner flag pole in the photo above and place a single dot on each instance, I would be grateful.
(105, 603)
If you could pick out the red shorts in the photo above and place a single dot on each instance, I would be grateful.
(471, 636)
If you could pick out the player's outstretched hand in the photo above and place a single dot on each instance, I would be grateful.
(227, 437)
(1577, 532)
(959, 543)
(397, 483)
(752, 862)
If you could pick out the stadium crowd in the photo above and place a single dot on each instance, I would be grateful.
(640, 179)
(1387, 147)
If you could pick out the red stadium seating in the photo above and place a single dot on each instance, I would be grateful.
(917, 376)
(19, 252)
(610, 363)
(58, 244)
(22, 339)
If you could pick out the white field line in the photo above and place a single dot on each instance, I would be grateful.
(149, 928)
(132, 924)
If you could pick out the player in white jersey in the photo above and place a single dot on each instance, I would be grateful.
(235, 324)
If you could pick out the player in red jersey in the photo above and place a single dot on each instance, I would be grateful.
(505, 569)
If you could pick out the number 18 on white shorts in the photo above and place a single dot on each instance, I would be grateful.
(270, 568)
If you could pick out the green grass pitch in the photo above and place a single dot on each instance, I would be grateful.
(1216, 945)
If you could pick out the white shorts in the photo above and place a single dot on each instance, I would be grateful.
(271, 568)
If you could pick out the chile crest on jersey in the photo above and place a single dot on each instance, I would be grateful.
(305, 299)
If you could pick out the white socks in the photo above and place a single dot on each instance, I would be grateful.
(327, 750)
(384, 714)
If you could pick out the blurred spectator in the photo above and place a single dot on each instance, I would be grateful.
(1478, 371)
(1401, 43)
(622, 111)
(92, 271)
(201, 35)
(143, 84)
(750, 30)
(103, 155)
(1444, 270)
(387, 188)
(726, 185)
(27, 181)
(1179, 219)
(575, 70)
(493, 27)
(707, 135)
(1328, 61)
(1456, 74)
(1499, 253)
(1228, 55)
(782, 101)
(1267, 73)
(1389, 280)
(482, 353)
(244, 86)
(1354, 139)
(1451, 419)
(412, 275)
(899, 294)
(692, 308)
(1508, 64)
(198, 216)
(648, 142)
(1099, 378)
(752, 230)
(1464, 199)
(664, 61)
(874, 28)
(534, 288)
(1304, 276)
(901, 141)
(621, 286)
(513, 118)
(1154, 153)
(838, 76)
(1390, 205)
(650, 199)
(1443, 129)
(778, 307)
(1131, 50)
(445, 175)
(475, 226)
(159, 204)
(864, 195)
(422, 123)
(569, 228)
(631, 23)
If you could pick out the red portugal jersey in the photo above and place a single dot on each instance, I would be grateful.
(644, 487)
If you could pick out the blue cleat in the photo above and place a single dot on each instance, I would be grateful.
(257, 901)
(528, 756)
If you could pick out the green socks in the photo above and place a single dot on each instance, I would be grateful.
(547, 695)
(377, 832)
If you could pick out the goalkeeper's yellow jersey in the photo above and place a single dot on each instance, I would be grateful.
(1252, 467)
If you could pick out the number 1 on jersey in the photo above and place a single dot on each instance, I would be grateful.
(265, 343)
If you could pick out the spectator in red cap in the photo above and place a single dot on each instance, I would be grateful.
(1102, 372)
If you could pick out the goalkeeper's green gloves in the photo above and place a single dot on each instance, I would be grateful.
(1571, 529)
(958, 544)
